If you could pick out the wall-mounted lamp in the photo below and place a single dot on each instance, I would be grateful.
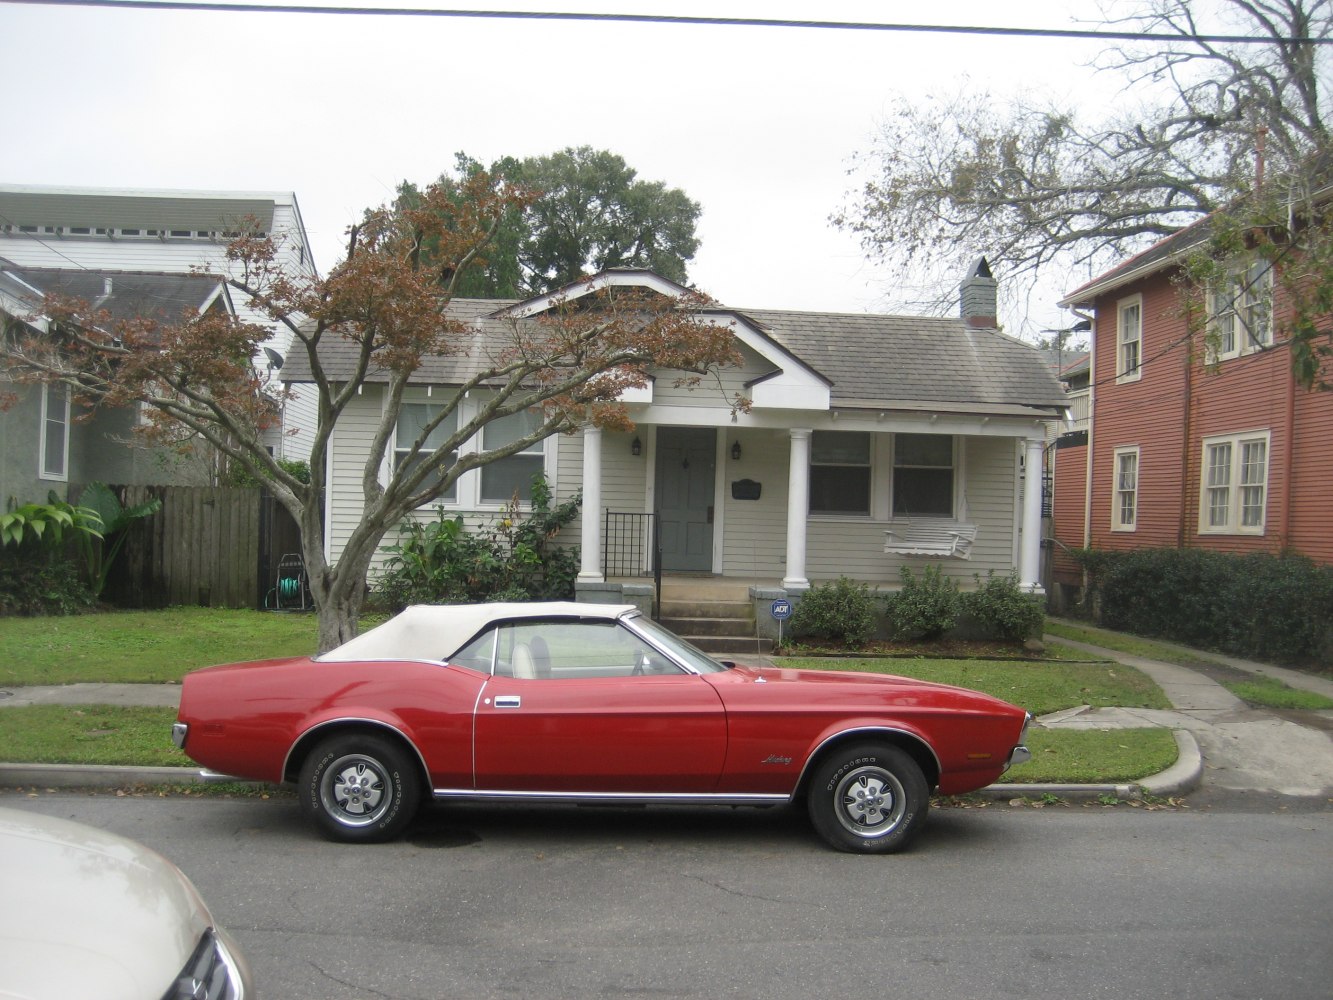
(736, 451)
(636, 447)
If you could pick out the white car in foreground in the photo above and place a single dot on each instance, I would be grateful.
(89, 914)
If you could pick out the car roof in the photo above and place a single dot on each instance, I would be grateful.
(437, 631)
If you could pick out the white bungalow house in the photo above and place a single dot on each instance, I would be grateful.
(873, 442)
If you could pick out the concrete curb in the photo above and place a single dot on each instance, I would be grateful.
(104, 776)
(1182, 776)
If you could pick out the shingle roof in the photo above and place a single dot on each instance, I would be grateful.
(869, 360)
(874, 359)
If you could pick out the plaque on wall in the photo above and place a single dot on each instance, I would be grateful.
(745, 489)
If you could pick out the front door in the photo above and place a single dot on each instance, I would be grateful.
(685, 472)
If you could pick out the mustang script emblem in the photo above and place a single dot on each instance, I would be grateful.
(776, 759)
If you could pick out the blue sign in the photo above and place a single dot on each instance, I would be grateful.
(782, 610)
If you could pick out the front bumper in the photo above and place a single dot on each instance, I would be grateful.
(1021, 754)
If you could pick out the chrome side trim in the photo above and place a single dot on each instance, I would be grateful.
(616, 798)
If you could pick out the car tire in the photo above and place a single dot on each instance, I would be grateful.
(359, 788)
(868, 798)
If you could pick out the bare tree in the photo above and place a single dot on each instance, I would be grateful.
(1035, 186)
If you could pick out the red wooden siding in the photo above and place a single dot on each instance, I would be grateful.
(1169, 411)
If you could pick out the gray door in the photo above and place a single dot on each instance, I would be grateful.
(686, 460)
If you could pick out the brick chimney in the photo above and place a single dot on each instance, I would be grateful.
(976, 296)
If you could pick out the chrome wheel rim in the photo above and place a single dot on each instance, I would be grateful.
(356, 790)
(869, 802)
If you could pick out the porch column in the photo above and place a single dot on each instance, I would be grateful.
(1029, 551)
(798, 508)
(590, 558)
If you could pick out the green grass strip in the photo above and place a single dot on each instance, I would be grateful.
(89, 734)
(1268, 692)
(1095, 756)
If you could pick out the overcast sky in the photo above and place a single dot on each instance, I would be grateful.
(759, 125)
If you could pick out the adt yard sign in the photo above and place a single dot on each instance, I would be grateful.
(781, 611)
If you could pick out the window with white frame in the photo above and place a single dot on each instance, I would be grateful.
(1233, 499)
(511, 476)
(412, 420)
(55, 432)
(923, 475)
(840, 472)
(1129, 339)
(1240, 311)
(1125, 495)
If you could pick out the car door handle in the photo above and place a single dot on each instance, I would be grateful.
(508, 701)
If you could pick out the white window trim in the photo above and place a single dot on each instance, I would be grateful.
(1118, 523)
(467, 497)
(1124, 374)
(62, 474)
(1242, 301)
(1233, 525)
(881, 480)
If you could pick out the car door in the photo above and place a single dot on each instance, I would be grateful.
(587, 706)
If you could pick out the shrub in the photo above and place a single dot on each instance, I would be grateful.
(842, 611)
(1003, 609)
(1274, 608)
(925, 607)
(512, 558)
(37, 579)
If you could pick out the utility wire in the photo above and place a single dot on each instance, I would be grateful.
(738, 22)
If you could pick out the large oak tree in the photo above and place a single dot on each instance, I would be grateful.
(386, 304)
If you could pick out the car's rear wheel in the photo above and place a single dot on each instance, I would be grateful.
(359, 788)
(868, 798)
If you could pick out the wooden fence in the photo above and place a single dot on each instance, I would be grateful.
(207, 546)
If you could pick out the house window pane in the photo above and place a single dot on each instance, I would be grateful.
(1219, 485)
(840, 473)
(55, 431)
(1253, 476)
(1129, 338)
(506, 478)
(412, 419)
(922, 475)
(1126, 489)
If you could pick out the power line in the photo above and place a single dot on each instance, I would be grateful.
(738, 22)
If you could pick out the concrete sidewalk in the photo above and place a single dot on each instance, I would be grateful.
(1222, 742)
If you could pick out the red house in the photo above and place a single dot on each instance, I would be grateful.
(1199, 436)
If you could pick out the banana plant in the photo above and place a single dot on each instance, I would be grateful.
(99, 552)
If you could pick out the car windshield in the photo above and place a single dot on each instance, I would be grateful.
(696, 659)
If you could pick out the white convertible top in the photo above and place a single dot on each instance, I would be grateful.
(437, 631)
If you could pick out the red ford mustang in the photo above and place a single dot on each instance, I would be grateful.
(587, 703)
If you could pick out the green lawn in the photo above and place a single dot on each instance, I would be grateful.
(162, 646)
(144, 646)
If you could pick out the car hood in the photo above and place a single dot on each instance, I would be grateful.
(87, 913)
(836, 684)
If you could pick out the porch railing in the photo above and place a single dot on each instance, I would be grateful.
(631, 547)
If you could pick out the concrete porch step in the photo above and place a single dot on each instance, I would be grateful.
(704, 608)
(711, 626)
(731, 645)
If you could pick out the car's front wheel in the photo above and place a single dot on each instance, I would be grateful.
(359, 788)
(868, 798)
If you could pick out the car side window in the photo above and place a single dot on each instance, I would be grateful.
(479, 654)
(569, 650)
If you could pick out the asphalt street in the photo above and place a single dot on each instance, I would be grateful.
(1070, 901)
